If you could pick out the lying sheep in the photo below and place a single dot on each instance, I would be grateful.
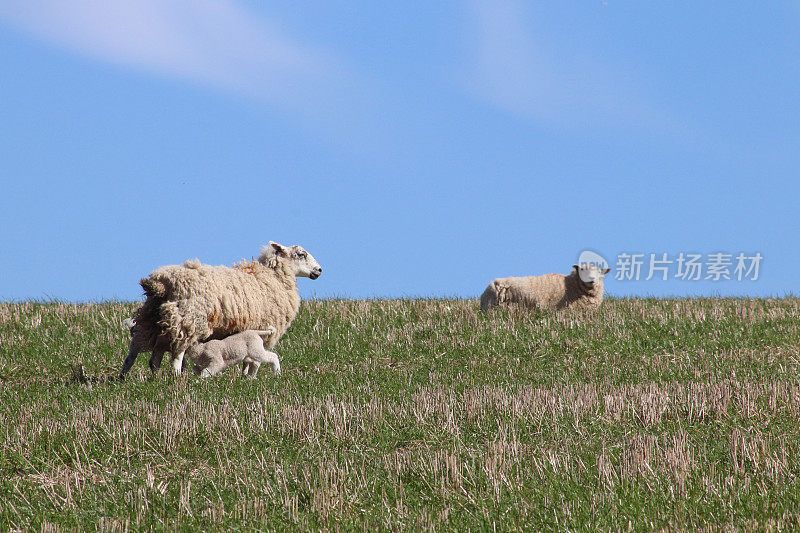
(189, 303)
(246, 347)
(582, 288)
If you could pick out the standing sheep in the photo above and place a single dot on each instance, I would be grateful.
(582, 288)
(189, 303)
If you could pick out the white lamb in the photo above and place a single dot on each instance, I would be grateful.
(213, 356)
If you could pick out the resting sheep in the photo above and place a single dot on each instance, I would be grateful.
(582, 288)
(214, 356)
(189, 303)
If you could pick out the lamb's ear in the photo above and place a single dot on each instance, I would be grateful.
(576, 267)
(606, 270)
(279, 249)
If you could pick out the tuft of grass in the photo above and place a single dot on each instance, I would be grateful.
(418, 414)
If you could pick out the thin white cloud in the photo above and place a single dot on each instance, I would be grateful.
(218, 43)
(526, 76)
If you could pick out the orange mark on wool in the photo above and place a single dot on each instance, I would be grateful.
(213, 318)
(249, 269)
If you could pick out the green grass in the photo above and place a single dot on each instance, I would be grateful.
(413, 414)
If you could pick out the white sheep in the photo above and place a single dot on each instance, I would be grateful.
(214, 356)
(582, 288)
(189, 303)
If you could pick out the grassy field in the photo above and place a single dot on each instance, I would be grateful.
(413, 414)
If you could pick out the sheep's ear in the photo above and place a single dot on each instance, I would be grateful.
(606, 271)
(278, 248)
(576, 267)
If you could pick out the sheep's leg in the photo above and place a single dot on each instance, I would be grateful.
(133, 351)
(177, 362)
(155, 360)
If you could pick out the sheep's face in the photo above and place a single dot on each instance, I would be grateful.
(590, 273)
(303, 263)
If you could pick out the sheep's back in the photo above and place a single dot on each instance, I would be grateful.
(543, 291)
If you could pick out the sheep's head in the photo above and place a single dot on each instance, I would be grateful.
(590, 273)
(302, 262)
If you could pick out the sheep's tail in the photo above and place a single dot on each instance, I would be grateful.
(495, 294)
(489, 298)
(153, 287)
(144, 322)
(270, 331)
(485, 302)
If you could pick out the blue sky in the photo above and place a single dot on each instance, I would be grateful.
(415, 148)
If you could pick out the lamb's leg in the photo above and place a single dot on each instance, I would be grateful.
(214, 367)
(250, 367)
(133, 351)
(267, 357)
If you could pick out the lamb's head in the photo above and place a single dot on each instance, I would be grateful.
(295, 257)
(590, 273)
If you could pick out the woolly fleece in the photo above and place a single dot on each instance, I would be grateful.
(546, 292)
